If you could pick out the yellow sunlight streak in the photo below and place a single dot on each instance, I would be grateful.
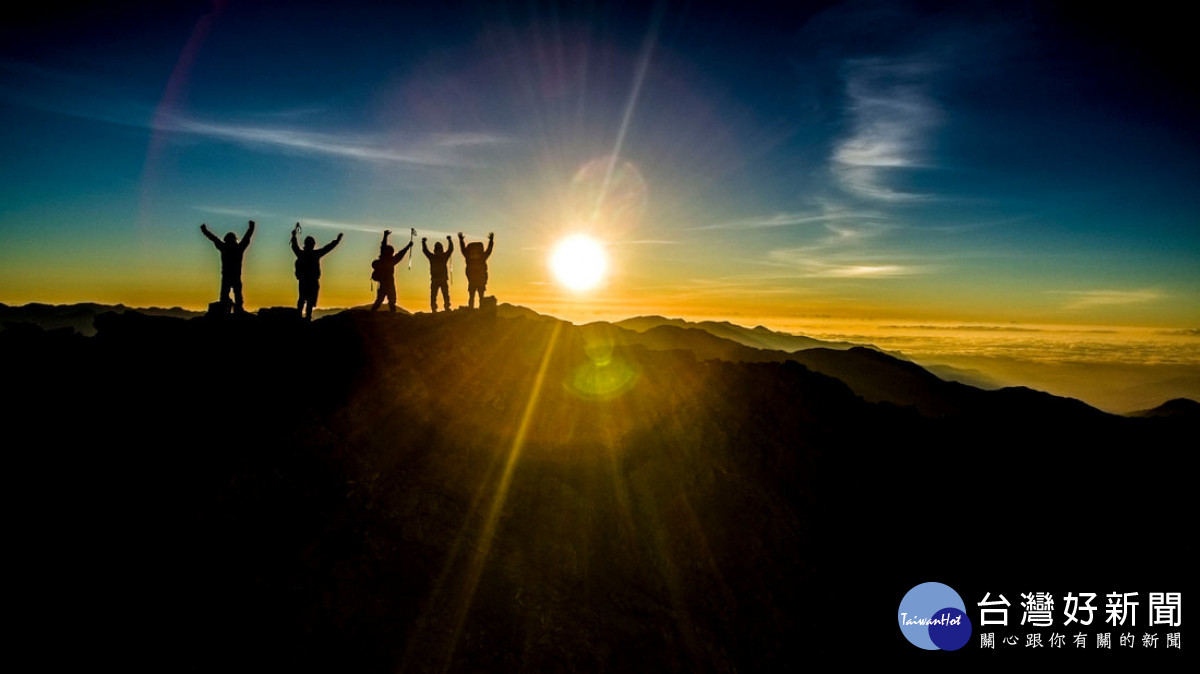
(483, 547)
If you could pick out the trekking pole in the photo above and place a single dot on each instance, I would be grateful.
(412, 234)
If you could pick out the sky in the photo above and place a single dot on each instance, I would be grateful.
(1025, 163)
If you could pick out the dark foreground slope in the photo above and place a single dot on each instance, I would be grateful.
(471, 493)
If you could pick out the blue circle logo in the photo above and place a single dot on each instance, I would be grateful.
(932, 616)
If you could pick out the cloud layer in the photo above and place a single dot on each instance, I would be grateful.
(891, 117)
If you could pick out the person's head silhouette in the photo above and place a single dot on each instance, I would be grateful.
(231, 238)
(309, 243)
(437, 247)
(388, 251)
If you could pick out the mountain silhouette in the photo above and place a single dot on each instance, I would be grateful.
(872, 374)
(968, 376)
(470, 491)
(1180, 408)
(757, 337)
(79, 317)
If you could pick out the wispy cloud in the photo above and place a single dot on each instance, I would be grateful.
(846, 246)
(783, 219)
(963, 328)
(235, 212)
(843, 225)
(747, 285)
(829, 213)
(1086, 299)
(71, 93)
(76, 95)
(868, 271)
(892, 116)
(807, 265)
(342, 225)
(436, 150)
(319, 223)
(841, 239)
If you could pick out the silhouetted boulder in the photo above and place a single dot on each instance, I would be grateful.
(282, 315)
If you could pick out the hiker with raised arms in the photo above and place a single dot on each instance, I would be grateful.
(232, 252)
(308, 269)
(439, 277)
(477, 270)
(383, 270)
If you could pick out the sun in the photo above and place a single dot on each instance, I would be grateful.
(579, 262)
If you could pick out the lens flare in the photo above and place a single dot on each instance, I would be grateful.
(608, 192)
(604, 376)
(579, 263)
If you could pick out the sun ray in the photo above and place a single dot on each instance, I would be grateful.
(627, 116)
(487, 535)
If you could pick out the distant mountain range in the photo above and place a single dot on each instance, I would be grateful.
(1178, 408)
(78, 317)
(81, 317)
(757, 337)
(871, 373)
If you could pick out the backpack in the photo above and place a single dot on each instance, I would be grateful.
(308, 266)
(378, 271)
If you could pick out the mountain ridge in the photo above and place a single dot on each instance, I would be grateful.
(875, 375)
(466, 491)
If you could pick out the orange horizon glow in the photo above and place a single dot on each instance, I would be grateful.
(1117, 368)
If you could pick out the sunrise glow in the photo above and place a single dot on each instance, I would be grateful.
(579, 263)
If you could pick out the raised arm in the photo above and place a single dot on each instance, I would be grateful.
(425, 249)
(383, 244)
(249, 233)
(400, 255)
(211, 237)
(450, 243)
(462, 243)
(488, 253)
(295, 248)
(331, 245)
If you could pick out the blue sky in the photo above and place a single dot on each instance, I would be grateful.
(958, 161)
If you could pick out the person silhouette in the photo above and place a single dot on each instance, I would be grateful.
(384, 272)
(308, 270)
(477, 271)
(438, 276)
(232, 252)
